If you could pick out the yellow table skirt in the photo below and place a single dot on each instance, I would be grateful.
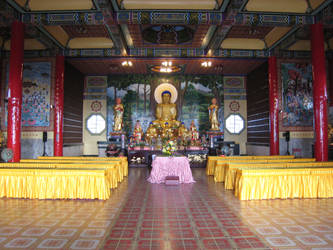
(231, 167)
(123, 159)
(54, 184)
(119, 171)
(284, 183)
(210, 167)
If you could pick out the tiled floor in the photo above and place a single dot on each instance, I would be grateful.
(140, 215)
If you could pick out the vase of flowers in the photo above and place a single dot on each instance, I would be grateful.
(169, 147)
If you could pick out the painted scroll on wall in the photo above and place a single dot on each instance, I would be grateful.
(297, 97)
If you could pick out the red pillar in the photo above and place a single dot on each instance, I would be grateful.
(273, 106)
(15, 90)
(319, 91)
(59, 106)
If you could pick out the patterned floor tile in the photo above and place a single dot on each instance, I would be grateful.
(181, 233)
(53, 243)
(248, 243)
(6, 231)
(64, 232)
(216, 244)
(296, 229)
(35, 231)
(84, 244)
(118, 244)
(92, 233)
(310, 240)
(280, 241)
(20, 243)
(183, 244)
(268, 230)
(150, 244)
(239, 231)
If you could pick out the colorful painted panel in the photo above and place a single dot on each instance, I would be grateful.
(297, 97)
(139, 102)
(35, 94)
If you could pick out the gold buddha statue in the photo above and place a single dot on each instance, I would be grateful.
(183, 132)
(166, 112)
(151, 133)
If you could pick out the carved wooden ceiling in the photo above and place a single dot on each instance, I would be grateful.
(236, 35)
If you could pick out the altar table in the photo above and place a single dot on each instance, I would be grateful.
(170, 166)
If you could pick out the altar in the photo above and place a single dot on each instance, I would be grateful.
(164, 166)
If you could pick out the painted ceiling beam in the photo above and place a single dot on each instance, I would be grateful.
(112, 53)
(113, 28)
(153, 17)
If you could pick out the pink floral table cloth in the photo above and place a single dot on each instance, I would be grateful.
(170, 166)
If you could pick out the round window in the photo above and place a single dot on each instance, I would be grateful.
(95, 124)
(234, 124)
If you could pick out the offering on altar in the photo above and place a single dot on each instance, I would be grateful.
(118, 112)
(169, 147)
(213, 115)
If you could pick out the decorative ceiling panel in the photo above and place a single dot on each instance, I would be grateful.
(242, 31)
(135, 31)
(40, 5)
(169, 4)
(85, 30)
(285, 6)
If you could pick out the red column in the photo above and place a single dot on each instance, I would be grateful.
(59, 106)
(273, 106)
(319, 91)
(15, 90)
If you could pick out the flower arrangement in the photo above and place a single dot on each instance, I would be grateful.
(169, 147)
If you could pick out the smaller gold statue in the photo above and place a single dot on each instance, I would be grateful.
(213, 115)
(151, 133)
(138, 132)
(167, 131)
(183, 133)
(194, 132)
(118, 112)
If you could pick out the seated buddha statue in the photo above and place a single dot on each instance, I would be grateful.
(166, 112)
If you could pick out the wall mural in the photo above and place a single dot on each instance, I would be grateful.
(36, 92)
(193, 100)
(297, 98)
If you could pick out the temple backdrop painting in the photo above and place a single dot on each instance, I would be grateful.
(193, 100)
(36, 93)
(297, 97)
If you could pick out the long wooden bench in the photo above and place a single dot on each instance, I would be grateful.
(210, 167)
(123, 159)
(229, 169)
(311, 182)
(54, 183)
(119, 171)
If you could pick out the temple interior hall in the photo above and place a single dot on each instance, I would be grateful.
(180, 124)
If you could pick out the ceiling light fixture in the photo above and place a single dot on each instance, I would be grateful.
(127, 63)
(206, 64)
(167, 63)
